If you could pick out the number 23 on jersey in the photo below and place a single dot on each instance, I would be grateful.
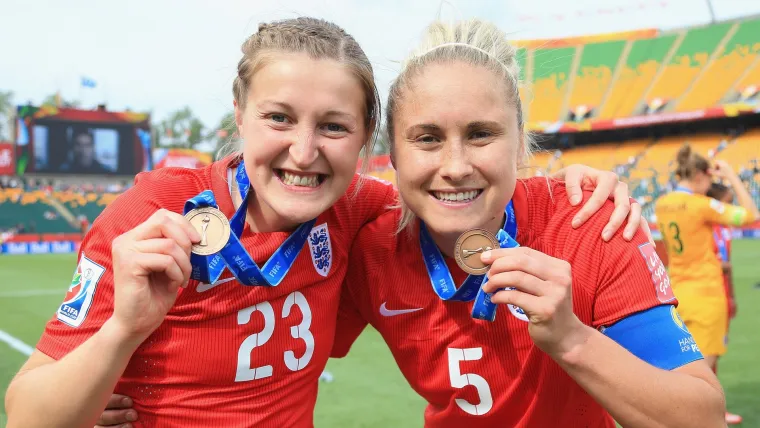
(299, 332)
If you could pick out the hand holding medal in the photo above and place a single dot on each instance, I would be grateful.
(150, 263)
(542, 286)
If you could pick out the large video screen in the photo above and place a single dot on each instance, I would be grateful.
(69, 141)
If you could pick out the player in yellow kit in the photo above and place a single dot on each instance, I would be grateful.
(686, 217)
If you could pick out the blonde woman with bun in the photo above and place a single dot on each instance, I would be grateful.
(565, 329)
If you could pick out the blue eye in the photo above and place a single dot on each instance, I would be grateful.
(280, 118)
(334, 127)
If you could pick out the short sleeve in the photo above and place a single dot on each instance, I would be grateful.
(716, 212)
(373, 198)
(350, 325)
(89, 299)
(351, 322)
(631, 279)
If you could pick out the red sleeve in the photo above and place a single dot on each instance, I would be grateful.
(372, 199)
(351, 322)
(89, 301)
(619, 277)
(632, 278)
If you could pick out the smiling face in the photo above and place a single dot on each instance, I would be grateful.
(303, 126)
(456, 147)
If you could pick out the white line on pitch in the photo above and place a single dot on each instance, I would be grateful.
(30, 293)
(16, 343)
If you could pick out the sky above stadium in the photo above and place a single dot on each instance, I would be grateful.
(160, 55)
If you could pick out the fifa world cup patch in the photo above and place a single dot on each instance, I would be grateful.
(78, 299)
(660, 277)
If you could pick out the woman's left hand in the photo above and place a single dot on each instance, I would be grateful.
(542, 287)
(605, 185)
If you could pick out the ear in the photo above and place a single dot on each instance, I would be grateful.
(238, 117)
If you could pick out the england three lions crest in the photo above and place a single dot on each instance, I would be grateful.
(321, 249)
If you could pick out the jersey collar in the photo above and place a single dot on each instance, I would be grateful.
(683, 190)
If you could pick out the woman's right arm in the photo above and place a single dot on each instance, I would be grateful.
(723, 170)
(85, 377)
(150, 263)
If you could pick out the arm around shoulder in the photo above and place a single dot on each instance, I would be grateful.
(85, 378)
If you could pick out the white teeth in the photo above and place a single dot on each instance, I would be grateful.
(456, 196)
(299, 180)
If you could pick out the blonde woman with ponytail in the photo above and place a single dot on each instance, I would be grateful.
(686, 218)
(144, 317)
(565, 329)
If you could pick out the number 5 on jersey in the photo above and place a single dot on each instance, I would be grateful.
(301, 331)
(460, 380)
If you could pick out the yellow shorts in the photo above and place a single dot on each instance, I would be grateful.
(706, 320)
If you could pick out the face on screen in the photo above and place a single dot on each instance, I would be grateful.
(84, 149)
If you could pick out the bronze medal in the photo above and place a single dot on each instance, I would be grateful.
(213, 227)
(470, 246)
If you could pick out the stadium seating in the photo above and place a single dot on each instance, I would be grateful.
(597, 64)
(550, 83)
(42, 212)
(685, 65)
(750, 80)
(641, 66)
(648, 166)
(743, 150)
(613, 77)
(32, 210)
(89, 204)
(736, 57)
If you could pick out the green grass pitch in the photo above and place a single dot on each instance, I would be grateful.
(368, 389)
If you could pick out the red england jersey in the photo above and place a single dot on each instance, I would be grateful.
(226, 354)
(477, 373)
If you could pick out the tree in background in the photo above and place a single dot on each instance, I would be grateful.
(225, 132)
(56, 100)
(6, 112)
(181, 129)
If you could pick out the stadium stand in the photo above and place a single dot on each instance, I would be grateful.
(640, 67)
(44, 212)
(685, 65)
(613, 77)
(550, 82)
(733, 60)
(32, 210)
(597, 65)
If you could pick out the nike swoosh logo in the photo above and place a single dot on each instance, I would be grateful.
(206, 287)
(393, 312)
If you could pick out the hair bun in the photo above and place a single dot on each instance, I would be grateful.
(684, 153)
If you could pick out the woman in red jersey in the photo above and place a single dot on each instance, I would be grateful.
(578, 332)
(145, 318)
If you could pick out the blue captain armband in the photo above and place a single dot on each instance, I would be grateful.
(657, 336)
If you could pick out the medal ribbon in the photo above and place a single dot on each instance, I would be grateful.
(443, 283)
(208, 269)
